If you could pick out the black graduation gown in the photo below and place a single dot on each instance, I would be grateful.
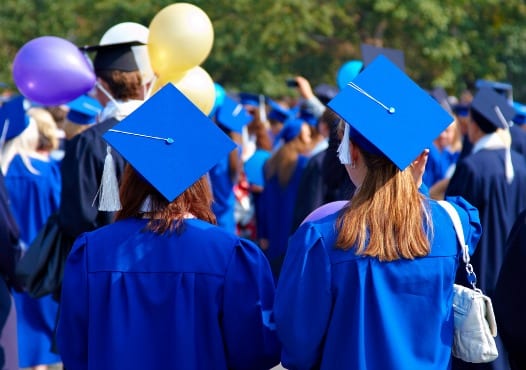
(480, 179)
(82, 168)
(324, 180)
(510, 296)
(10, 252)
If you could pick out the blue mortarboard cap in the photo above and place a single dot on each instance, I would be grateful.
(370, 52)
(502, 88)
(461, 109)
(254, 167)
(232, 115)
(307, 116)
(520, 113)
(277, 112)
(491, 110)
(386, 108)
(249, 99)
(84, 110)
(169, 141)
(13, 113)
(291, 129)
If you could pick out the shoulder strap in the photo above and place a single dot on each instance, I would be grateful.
(453, 214)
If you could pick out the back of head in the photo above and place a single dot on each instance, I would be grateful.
(386, 215)
(47, 129)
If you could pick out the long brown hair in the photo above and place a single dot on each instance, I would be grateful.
(283, 162)
(164, 216)
(385, 217)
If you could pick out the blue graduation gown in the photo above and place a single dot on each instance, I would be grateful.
(481, 180)
(34, 197)
(132, 299)
(224, 198)
(277, 214)
(337, 310)
(510, 296)
(435, 170)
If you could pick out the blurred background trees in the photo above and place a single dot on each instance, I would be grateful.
(258, 44)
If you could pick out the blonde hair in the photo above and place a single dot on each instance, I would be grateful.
(386, 215)
(47, 129)
(24, 145)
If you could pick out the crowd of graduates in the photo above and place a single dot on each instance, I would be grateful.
(285, 162)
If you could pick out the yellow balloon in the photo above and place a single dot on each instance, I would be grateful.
(181, 37)
(196, 84)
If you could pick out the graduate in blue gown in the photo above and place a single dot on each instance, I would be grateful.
(163, 287)
(493, 179)
(231, 117)
(33, 182)
(370, 287)
(283, 173)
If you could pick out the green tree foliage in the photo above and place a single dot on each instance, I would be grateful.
(258, 44)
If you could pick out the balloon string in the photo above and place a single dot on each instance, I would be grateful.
(108, 95)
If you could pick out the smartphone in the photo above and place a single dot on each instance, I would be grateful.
(292, 82)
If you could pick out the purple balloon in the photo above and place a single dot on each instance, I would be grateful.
(51, 71)
(325, 210)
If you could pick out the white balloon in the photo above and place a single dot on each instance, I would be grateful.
(128, 32)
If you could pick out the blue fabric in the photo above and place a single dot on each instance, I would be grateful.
(136, 300)
(336, 310)
(224, 198)
(480, 179)
(278, 210)
(434, 167)
(254, 167)
(33, 199)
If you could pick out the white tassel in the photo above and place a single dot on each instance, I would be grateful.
(343, 149)
(510, 172)
(109, 199)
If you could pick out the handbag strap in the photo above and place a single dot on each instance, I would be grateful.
(453, 214)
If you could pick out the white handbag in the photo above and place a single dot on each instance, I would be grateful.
(475, 325)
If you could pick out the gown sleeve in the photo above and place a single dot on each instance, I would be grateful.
(303, 299)
(72, 329)
(248, 326)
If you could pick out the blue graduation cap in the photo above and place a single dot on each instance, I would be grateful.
(277, 112)
(520, 113)
(169, 141)
(385, 110)
(491, 110)
(502, 88)
(84, 110)
(291, 129)
(232, 115)
(13, 117)
(461, 109)
(307, 116)
(254, 167)
(370, 52)
(249, 99)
